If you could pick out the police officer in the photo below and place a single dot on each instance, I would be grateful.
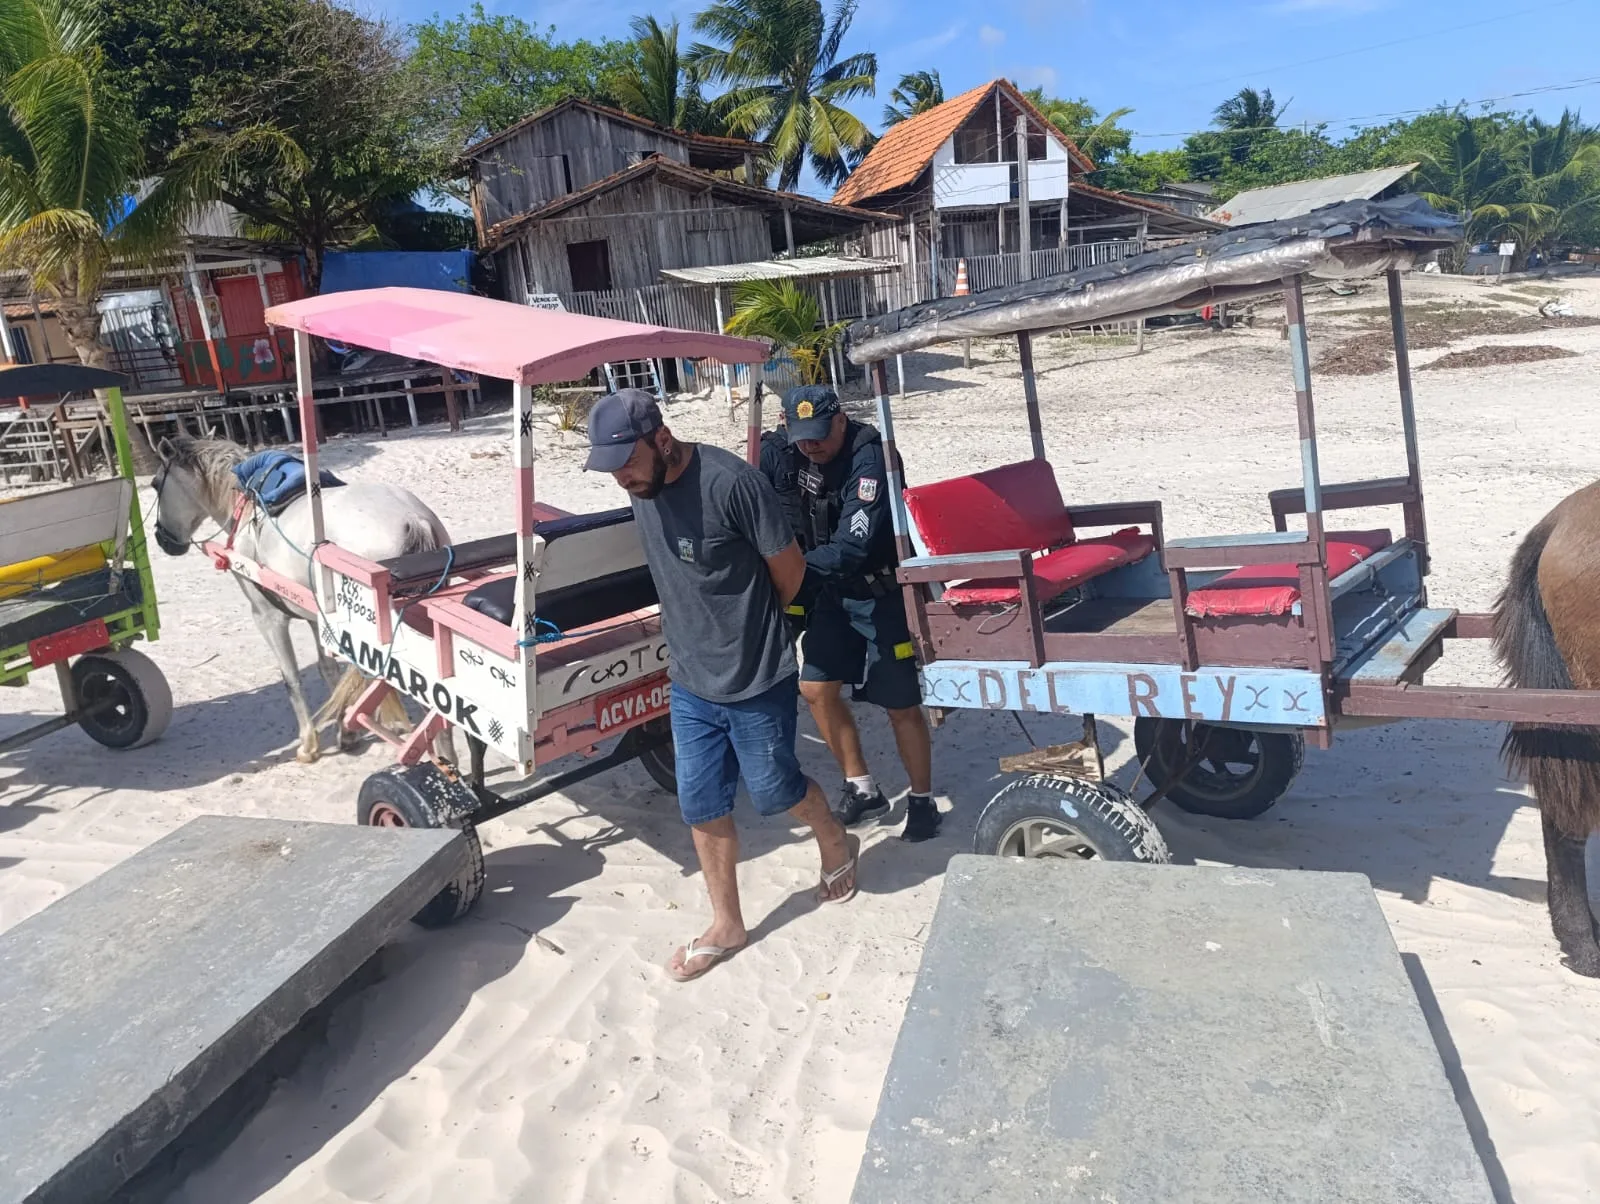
(829, 473)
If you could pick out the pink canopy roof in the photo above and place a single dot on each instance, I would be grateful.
(497, 338)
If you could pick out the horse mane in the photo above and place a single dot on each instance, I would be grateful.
(212, 460)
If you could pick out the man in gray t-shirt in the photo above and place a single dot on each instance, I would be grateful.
(725, 564)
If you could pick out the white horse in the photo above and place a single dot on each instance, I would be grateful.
(196, 485)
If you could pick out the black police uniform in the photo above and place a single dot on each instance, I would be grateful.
(854, 615)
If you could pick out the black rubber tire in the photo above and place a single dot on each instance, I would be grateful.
(124, 696)
(420, 796)
(1275, 759)
(1101, 817)
(660, 762)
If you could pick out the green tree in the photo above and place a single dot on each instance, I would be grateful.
(786, 83)
(1468, 175)
(1096, 136)
(70, 166)
(1556, 169)
(790, 319)
(917, 92)
(658, 85)
(303, 154)
(172, 58)
(482, 73)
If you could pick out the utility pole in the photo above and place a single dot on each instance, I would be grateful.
(1024, 215)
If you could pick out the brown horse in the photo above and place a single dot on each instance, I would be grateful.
(1547, 635)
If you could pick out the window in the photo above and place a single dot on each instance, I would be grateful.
(590, 265)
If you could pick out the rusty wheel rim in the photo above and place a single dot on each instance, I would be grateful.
(382, 815)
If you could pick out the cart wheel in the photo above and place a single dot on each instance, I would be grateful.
(1071, 818)
(419, 796)
(1239, 773)
(660, 762)
(123, 696)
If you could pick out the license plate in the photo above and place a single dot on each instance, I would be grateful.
(633, 705)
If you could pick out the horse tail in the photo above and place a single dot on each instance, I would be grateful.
(352, 683)
(1560, 762)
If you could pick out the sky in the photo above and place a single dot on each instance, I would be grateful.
(1344, 62)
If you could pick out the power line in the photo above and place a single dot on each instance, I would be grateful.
(1430, 35)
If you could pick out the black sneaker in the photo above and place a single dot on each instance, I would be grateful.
(922, 819)
(856, 808)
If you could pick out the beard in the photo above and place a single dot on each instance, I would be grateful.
(658, 478)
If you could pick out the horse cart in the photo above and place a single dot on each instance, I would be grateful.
(1229, 652)
(75, 585)
(538, 643)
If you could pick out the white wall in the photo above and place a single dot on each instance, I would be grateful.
(963, 185)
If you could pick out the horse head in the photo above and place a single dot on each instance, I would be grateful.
(194, 483)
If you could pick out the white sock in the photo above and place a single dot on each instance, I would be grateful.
(864, 784)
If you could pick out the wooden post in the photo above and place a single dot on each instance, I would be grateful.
(934, 248)
(524, 618)
(411, 403)
(43, 355)
(8, 346)
(321, 583)
(727, 369)
(1144, 231)
(205, 322)
(838, 358)
(900, 372)
(1415, 515)
(1030, 389)
(788, 228)
(916, 280)
(1316, 601)
(1024, 212)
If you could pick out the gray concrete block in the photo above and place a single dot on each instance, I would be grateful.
(131, 1004)
(1163, 1035)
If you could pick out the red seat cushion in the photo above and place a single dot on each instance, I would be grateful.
(1014, 506)
(1059, 571)
(1274, 589)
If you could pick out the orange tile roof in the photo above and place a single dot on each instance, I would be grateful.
(907, 147)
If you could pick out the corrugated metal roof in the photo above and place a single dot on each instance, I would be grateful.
(1302, 196)
(811, 267)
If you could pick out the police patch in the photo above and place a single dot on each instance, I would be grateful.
(804, 410)
(867, 489)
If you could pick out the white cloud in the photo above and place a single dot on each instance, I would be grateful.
(990, 36)
(927, 45)
(1036, 77)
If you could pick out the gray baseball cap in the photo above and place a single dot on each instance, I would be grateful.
(808, 411)
(616, 423)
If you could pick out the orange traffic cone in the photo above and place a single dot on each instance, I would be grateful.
(961, 279)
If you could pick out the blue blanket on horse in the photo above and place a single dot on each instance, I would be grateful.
(275, 478)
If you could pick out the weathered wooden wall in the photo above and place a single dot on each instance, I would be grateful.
(531, 167)
(647, 225)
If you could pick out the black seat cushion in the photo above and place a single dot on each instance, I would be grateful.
(571, 605)
(416, 570)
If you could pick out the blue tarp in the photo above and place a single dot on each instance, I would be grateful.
(346, 270)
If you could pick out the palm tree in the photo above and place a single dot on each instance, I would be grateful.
(70, 159)
(786, 82)
(788, 318)
(1557, 173)
(917, 92)
(1081, 122)
(1248, 109)
(1467, 175)
(660, 86)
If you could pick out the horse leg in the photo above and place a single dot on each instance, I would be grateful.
(1570, 915)
(444, 747)
(274, 625)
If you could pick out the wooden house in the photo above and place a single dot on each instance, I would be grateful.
(584, 199)
(951, 174)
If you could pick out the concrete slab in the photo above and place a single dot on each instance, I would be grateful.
(131, 1004)
(1151, 1034)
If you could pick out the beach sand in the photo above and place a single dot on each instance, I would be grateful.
(486, 1065)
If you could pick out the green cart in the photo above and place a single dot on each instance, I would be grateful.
(75, 585)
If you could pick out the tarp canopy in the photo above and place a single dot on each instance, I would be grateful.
(497, 338)
(37, 380)
(450, 271)
(1355, 239)
(811, 267)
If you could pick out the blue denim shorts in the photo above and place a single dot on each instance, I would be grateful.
(716, 743)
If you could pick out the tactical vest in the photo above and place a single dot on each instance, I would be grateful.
(813, 516)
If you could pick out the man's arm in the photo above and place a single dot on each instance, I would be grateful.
(788, 570)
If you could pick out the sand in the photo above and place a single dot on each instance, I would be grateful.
(487, 1066)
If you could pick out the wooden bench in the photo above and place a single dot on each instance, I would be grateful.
(1114, 1031)
(133, 1003)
